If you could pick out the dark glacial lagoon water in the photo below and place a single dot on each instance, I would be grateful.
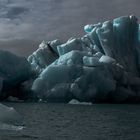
(76, 122)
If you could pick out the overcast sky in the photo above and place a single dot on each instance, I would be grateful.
(24, 23)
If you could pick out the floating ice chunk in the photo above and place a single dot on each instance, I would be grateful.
(14, 99)
(101, 66)
(10, 119)
(4, 126)
(9, 115)
(76, 102)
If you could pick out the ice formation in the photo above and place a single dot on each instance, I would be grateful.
(9, 115)
(101, 66)
(10, 119)
(14, 70)
(44, 55)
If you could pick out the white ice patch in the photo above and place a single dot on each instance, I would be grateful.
(4, 126)
(9, 117)
(76, 102)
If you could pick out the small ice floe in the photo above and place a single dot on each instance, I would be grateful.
(4, 126)
(10, 119)
(74, 101)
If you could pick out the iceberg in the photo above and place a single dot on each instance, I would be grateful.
(14, 70)
(102, 66)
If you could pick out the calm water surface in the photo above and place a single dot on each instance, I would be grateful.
(76, 122)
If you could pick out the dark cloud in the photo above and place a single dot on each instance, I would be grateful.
(50, 19)
(15, 12)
